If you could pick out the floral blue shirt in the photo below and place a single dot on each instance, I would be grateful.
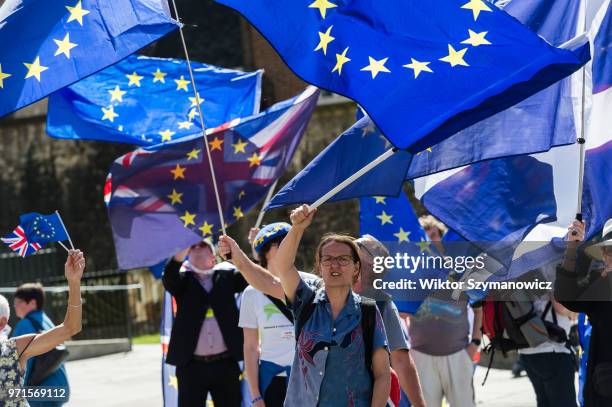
(329, 364)
(10, 376)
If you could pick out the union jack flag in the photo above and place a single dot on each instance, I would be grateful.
(18, 242)
(161, 199)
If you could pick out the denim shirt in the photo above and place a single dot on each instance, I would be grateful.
(329, 364)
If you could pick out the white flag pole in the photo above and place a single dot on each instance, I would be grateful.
(65, 230)
(379, 160)
(262, 212)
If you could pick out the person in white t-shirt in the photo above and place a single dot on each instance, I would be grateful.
(269, 339)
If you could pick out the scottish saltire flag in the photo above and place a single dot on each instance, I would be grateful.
(542, 121)
(169, 380)
(486, 207)
(422, 70)
(18, 242)
(146, 101)
(356, 147)
(161, 199)
(48, 45)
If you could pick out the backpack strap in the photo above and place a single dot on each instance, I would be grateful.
(35, 324)
(368, 323)
(282, 307)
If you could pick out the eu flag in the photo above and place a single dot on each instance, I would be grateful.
(423, 70)
(161, 198)
(47, 45)
(146, 101)
(43, 229)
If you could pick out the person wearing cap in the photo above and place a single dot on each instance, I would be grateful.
(397, 335)
(267, 323)
(205, 343)
(585, 287)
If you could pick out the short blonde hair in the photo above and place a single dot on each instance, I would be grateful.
(5, 309)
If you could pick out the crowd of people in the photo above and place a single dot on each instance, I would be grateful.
(328, 338)
(318, 339)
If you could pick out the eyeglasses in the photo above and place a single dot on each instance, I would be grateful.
(345, 260)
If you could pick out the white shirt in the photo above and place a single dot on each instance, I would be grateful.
(276, 332)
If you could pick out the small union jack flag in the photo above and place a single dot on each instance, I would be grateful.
(18, 242)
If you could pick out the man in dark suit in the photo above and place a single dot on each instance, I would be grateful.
(206, 342)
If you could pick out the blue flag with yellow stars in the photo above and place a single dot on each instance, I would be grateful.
(47, 45)
(423, 70)
(161, 199)
(393, 222)
(146, 101)
(43, 229)
(353, 149)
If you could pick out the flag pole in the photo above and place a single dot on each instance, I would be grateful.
(581, 139)
(197, 101)
(65, 230)
(379, 160)
(64, 246)
(262, 212)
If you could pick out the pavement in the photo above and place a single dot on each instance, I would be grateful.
(132, 379)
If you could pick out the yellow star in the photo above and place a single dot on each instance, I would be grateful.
(455, 57)
(192, 114)
(241, 194)
(175, 197)
(238, 212)
(476, 39)
(324, 39)
(117, 94)
(173, 382)
(109, 114)
(182, 84)
(166, 135)
(322, 5)
(188, 219)
(3, 76)
(418, 67)
(193, 154)
(35, 69)
(64, 46)
(178, 172)
(341, 59)
(380, 199)
(159, 76)
(476, 6)
(384, 218)
(254, 160)
(424, 246)
(239, 146)
(375, 67)
(134, 79)
(402, 235)
(195, 101)
(428, 150)
(216, 144)
(185, 125)
(77, 13)
(206, 228)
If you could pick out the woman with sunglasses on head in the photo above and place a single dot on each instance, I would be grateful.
(330, 368)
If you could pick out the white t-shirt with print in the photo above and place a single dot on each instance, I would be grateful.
(276, 336)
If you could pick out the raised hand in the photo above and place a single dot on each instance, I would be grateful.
(75, 265)
(227, 245)
(575, 231)
(301, 217)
